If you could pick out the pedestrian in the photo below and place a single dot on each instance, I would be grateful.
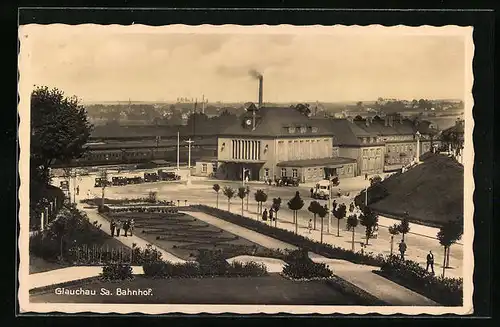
(430, 262)
(126, 226)
(119, 226)
(312, 192)
(112, 226)
(402, 249)
(78, 190)
(366, 176)
(310, 225)
(264, 215)
(271, 214)
(88, 194)
(131, 226)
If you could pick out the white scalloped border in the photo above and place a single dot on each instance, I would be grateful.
(24, 88)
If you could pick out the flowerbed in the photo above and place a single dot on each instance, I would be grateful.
(326, 250)
(446, 291)
(208, 264)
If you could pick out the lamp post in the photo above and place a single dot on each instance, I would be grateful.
(329, 204)
(417, 136)
(189, 142)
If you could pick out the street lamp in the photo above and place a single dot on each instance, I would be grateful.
(417, 136)
(330, 187)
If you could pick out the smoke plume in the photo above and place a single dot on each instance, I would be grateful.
(255, 74)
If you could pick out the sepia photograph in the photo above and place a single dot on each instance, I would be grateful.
(246, 169)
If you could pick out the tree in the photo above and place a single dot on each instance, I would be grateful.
(404, 226)
(242, 192)
(352, 222)
(276, 207)
(295, 204)
(359, 104)
(248, 194)
(393, 230)
(322, 211)
(369, 220)
(59, 130)
(260, 198)
(303, 108)
(229, 193)
(449, 234)
(216, 188)
(340, 214)
(314, 208)
(103, 175)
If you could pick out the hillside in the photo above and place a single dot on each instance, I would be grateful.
(431, 192)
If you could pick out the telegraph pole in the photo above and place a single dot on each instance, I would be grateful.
(189, 153)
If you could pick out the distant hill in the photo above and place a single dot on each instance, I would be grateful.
(431, 193)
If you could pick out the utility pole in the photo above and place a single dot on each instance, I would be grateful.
(189, 153)
(178, 148)
(417, 135)
(329, 205)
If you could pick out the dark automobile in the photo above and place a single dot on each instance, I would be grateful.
(100, 182)
(135, 180)
(150, 177)
(335, 181)
(119, 181)
(289, 181)
(168, 176)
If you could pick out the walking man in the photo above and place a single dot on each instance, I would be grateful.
(126, 226)
(312, 192)
(366, 176)
(119, 226)
(78, 190)
(88, 194)
(310, 225)
(131, 226)
(402, 249)
(271, 214)
(112, 226)
(264, 215)
(430, 262)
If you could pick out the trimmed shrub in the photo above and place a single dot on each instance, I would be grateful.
(446, 291)
(249, 269)
(212, 263)
(113, 272)
(300, 266)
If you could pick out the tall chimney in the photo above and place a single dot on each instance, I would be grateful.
(261, 78)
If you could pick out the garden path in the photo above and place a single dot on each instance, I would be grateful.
(359, 275)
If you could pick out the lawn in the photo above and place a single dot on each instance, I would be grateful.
(431, 192)
(184, 236)
(272, 290)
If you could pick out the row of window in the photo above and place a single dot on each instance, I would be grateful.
(372, 152)
(303, 149)
(302, 129)
(246, 150)
(204, 167)
(400, 148)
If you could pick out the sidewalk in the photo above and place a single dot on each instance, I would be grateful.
(359, 275)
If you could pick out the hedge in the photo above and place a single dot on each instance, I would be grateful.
(119, 271)
(446, 291)
(300, 266)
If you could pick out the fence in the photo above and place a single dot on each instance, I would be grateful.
(98, 255)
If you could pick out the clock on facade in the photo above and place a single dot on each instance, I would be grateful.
(249, 122)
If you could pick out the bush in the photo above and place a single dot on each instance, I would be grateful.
(118, 271)
(447, 291)
(300, 266)
(323, 249)
(212, 263)
(144, 256)
(249, 269)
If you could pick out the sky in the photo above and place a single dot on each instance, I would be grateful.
(115, 64)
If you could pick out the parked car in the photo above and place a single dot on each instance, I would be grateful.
(119, 181)
(150, 177)
(168, 176)
(288, 181)
(100, 182)
(135, 180)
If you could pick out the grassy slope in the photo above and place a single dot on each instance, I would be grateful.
(432, 191)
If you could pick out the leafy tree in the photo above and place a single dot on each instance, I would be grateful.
(303, 109)
(295, 204)
(260, 198)
(369, 220)
(276, 207)
(404, 226)
(393, 230)
(340, 214)
(359, 104)
(352, 222)
(59, 131)
(216, 188)
(229, 193)
(314, 208)
(322, 211)
(242, 192)
(449, 234)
